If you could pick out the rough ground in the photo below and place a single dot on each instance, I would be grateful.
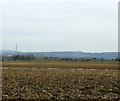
(53, 84)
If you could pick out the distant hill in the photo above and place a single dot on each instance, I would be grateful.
(72, 54)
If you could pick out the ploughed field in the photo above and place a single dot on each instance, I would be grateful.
(60, 80)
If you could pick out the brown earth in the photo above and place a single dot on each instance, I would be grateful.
(66, 82)
(62, 65)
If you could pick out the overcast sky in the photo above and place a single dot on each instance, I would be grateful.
(60, 25)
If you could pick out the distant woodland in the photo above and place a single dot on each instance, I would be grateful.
(33, 58)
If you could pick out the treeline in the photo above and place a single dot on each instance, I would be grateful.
(33, 58)
(117, 59)
(19, 57)
(78, 59)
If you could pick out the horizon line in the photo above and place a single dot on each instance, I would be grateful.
(62, 51)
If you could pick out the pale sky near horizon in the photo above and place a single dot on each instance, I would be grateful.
(57, 25)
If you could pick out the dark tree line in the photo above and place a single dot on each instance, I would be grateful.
(76, 59)
(116, 59)
(33, 58)
(19, 57)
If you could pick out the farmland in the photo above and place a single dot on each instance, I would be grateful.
(60, 80)
(61, 65)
